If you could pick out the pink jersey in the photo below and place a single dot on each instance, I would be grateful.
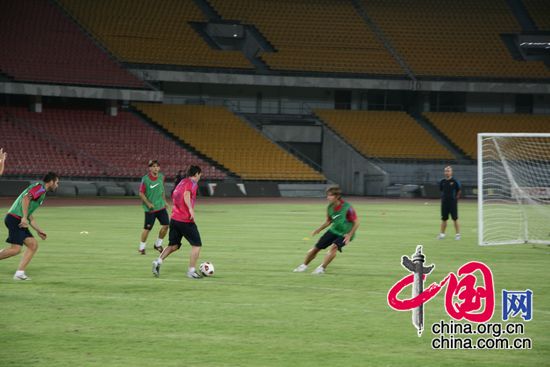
(180, 211)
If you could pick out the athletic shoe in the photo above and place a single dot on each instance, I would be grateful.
(301, 268)
(458, 237)
(441, 236)
(21, 277)
(156, 268)
(319, 270)
(159, 249)
(193, 275)
(141, 252)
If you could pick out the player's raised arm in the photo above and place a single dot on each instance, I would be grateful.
(326, 224)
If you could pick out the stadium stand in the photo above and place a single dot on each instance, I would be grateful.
(152, 32)
(222, 136)
(539, 10)
(40, 44)
(384, 134)
(88, 143)
(450, 38)
(462, 128)
(320, 36)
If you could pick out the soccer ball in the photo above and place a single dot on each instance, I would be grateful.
(207, 269)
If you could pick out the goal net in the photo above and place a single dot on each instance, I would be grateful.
(513, 188)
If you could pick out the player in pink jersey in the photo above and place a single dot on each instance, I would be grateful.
(182, 222)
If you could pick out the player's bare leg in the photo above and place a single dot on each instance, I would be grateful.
(193, 257)
(457, 229)
(32, 247)
(162, 233)
(442, 230)
(10, 251)
(165, 253)
(311, 254)
(331, 254)
(144, 236)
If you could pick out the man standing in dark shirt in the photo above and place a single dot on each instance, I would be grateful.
(450, 192)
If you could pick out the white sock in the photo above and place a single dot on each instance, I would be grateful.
(159, 242)
(159, 260)
(441, 234)
(191, 269)
(20, 272)
(142, 246)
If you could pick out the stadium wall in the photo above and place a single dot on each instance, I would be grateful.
(354, 173)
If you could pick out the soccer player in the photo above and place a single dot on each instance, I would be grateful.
(182, 222)
(20, 217)
(3, 156)
(450, 193)
(151, 192)
(343, 223)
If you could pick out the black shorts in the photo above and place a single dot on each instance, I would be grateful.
(449, 207)
(161, 215)
(16, 235)
(328, 239)
(182, 229)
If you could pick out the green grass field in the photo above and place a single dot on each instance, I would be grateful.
(94, 302)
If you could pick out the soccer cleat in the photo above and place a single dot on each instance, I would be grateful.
(193, 275)
(441, 236)
(159, 249)
(141, 252)
(301, 268)
(21, 277)
(458, 237)
(319, 270)
(156, 268)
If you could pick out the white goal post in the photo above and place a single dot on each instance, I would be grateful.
(513, 176)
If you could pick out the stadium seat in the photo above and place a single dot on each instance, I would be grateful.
(321, 36)
(450, 38)
(40, 44)
(462, 128)
(385, 134)
(151, 32)
(222, 136)
(539, 10)
(88, 143)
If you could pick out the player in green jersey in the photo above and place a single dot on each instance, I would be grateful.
(151, 192)
(343, 223)
(20, 217)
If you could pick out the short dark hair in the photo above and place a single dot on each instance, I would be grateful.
(153, 161)
(193, 170)
(334, 190)
(50, 176)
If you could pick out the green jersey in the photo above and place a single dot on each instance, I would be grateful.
(37, 193)
(342, 217)
(153, 188)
